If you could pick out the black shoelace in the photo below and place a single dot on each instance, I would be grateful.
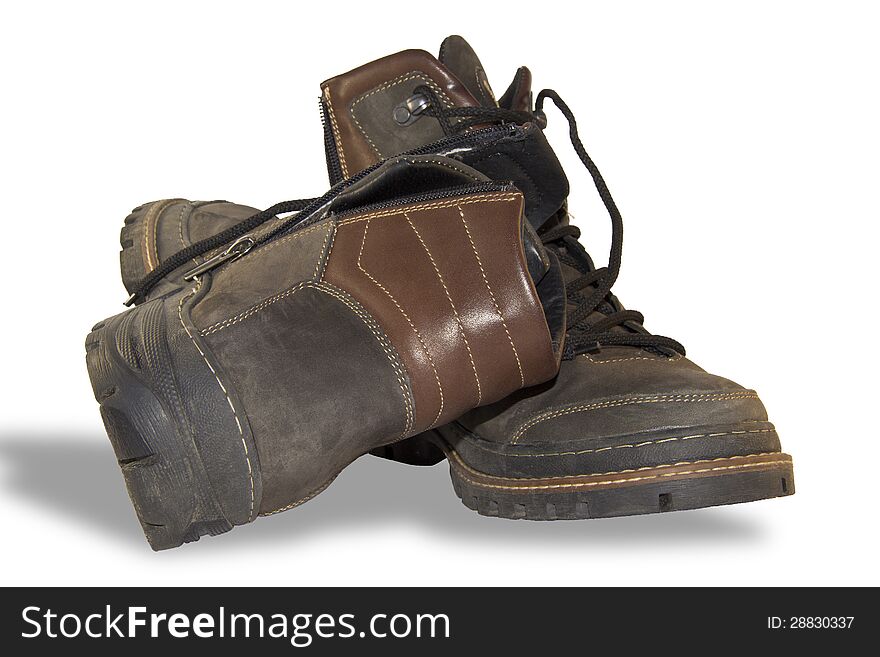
(591, 292)
(188, 254)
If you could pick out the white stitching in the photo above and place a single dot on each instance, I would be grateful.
(225, 393)
(645, 443)
(253, 310)
(463, 466)
(674, 359)
(411, 75)
(324, 287)
(488, 198)
(278, 242)
(452, 305)
(386, 347)
(335, 128)
(628, 401)
(409, 321)
(147, 217)
(522, 378)
(448, 165)
(321, 258)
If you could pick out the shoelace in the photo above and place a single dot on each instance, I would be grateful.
(306, 213)
(591, 291)
(584, 335)
(222, 238)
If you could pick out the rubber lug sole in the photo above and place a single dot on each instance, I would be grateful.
(138, 234)
(163, 473)
(676, 487)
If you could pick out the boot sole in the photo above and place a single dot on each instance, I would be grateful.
(133, 380)
(660, 489)
(137, 242)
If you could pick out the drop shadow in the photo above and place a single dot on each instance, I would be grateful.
(77, 476)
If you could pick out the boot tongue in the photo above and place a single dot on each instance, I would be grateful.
(460, 59)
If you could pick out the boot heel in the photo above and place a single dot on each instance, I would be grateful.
(132, 380)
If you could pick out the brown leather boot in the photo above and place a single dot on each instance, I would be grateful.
(310, 341)
(630, 425)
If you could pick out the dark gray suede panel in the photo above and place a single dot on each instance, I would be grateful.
(372, 114)
(320, 385)
(266, 271)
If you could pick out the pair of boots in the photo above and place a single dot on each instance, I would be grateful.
(434, 303)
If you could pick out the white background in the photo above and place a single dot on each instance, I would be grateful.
(740, 140)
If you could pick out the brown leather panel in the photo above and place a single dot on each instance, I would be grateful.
(343, 92)
(448, 283)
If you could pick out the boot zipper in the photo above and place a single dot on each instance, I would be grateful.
(244, 244)
(449, 192)
(237, 249)
(313, 213)
(331, 152)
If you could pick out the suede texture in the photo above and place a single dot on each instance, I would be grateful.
(620, 409)
(344, 388)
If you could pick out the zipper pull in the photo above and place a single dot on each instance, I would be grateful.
(237, 249)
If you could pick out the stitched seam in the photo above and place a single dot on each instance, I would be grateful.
(253, 310)
(189, 205)
(539, 193)
(161, 205)
(674, 359)
(452, 305)
(305, 499)
(645, 443)
(436, 205)
(383, 342)
(484, 475)
(412, 75)
(265, 228)
(225, 393)
(441, 163)
(334, 228)
(386, 347)
(278, 242)
(522, 378)
(624, 480)
(409, 321)
(180, 226)
(630, 401)
(340, 151)
(315, 274)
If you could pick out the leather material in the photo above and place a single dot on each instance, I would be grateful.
(182, 222)
(460, 59)
(622, 408)
(449, 281)
(360, 104)
(336, 338)
(405, 176)
(526, 159)
(551, 291)
(318, 387)
(518, 96)
(264, 272)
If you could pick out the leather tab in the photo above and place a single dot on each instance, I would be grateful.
(449, 283)
(360, 107)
